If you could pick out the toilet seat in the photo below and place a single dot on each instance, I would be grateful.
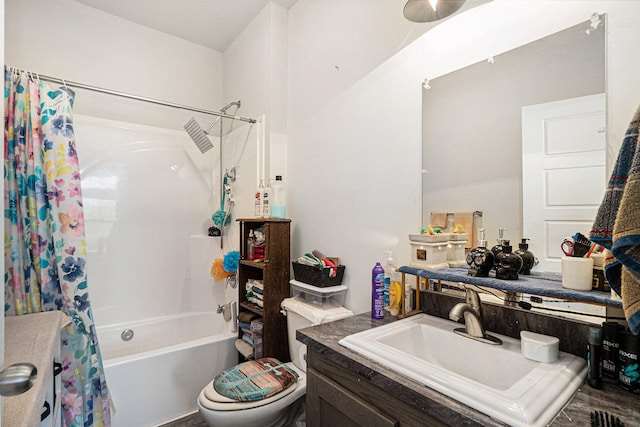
(211, 399)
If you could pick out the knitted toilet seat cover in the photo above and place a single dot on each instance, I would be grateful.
(255, 379)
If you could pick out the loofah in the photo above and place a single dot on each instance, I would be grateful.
(218, 217)
(217, 270)
(231, 260)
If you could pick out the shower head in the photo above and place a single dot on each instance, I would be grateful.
(198, 135)
(229, 105)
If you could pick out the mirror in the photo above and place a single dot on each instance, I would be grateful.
(472, 125)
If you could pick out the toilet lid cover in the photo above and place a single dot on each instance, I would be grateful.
(255, 379)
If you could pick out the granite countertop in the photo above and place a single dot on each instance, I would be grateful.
(324, 339)
(31, 338)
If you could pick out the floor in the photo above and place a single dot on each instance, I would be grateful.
(194, 420)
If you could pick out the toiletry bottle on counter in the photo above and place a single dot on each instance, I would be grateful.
(377, 292)
(594, 357)
(258, 200)
(500, 242)
(507, 264)
(480, 259)
(279, 199)
(266, 199)
(389, 266)
(528, 259)
(629, 372)
(392, 286)
(611, 335)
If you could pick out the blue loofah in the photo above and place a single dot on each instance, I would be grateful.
(230, 261)
(218, 217)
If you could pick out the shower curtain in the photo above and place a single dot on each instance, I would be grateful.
(45, 245)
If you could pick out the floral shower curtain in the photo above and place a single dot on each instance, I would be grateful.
(45, 246)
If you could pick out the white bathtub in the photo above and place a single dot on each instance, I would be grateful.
(156, 376)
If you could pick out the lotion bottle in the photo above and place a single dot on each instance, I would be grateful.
(266, 198)
(392, 286)
(528, 259)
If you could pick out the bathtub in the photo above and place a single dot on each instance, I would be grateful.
(155, 377)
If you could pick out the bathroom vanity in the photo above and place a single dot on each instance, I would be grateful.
(347, 389)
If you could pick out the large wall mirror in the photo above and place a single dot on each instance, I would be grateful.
(473, 139)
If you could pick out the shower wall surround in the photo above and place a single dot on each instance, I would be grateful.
(149, 195)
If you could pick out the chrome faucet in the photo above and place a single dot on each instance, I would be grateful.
(471, 310)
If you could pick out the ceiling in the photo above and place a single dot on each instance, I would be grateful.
(210, 23)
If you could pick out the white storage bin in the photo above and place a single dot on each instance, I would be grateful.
(329, 296)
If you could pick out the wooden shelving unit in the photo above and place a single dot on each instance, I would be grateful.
(274, 271)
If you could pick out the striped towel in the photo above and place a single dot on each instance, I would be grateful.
(626, 233)
(617, 225)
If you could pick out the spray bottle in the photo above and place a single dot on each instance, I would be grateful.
(377, 292)
(392, 286)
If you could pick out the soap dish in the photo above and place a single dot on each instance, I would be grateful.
(538, 347)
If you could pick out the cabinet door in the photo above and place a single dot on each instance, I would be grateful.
(330, 405)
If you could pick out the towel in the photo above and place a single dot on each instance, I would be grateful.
(602, 229)
(626, 232)
(465, 219)
(439, 219)
(244, 348)
(617, 225)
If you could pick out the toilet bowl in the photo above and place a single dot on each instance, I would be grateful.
(276, 410)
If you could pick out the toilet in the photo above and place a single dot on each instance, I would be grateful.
(274, 411)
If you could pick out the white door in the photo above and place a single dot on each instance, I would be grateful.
(563, 172)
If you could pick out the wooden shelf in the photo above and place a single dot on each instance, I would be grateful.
(255, 308)
(274, 272)
(253, 264)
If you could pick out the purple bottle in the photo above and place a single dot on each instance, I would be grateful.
(377, 292)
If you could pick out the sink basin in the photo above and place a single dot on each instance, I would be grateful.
(496, 380)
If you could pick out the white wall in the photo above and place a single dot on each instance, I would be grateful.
(255, 71)
(63, 38)
(354, 149)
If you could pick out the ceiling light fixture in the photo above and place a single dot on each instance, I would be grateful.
(431, 10)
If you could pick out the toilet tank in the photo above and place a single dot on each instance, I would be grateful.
(302, 314)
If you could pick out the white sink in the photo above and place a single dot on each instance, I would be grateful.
(494, 379)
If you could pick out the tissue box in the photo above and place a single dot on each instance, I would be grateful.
(316, 276)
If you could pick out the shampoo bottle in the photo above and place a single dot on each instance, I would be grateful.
(392, 286)
(258, 200)
(266, 199)
(377, 292)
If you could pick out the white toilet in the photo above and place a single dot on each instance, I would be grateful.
(218, 410)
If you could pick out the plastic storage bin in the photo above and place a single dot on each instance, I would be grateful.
(317, 276)
(328, 296)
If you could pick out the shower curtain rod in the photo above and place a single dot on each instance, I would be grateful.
(138, 98)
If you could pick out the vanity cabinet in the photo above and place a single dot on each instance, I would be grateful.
(340, 397)
(274, 272)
